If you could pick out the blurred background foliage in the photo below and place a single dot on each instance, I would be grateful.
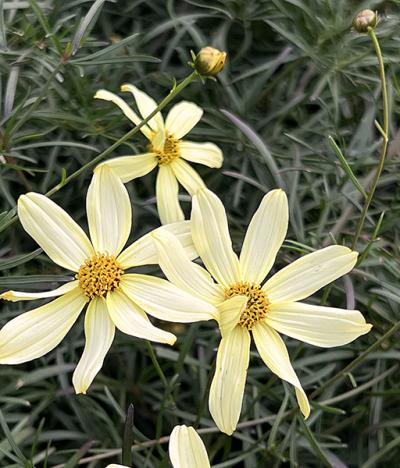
(296, 74)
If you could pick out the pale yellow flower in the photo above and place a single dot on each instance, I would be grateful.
(186, 449)
(115, 298)
(166, 150)
(249, 307)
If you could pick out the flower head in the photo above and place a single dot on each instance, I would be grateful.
(247, 306)
(115, 298)
(363, 20)
(209, 61)
(166, 150)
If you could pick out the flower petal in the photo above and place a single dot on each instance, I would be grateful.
(15, 296)
(185, 274)
(211, 238)
(109, 211)
(167, 190)
(144, 252)
(306, 275)
(128, 168)
(146, 106)
(264, 237)
(54, 230)
(164, 300)
(130, 319)
(319, 326)
(273, 352)
(187, 176)
(127, 111)
(227, 387)
(99, 335)
(230, 312)
(186, 449)
(35, 333)
(182, 118)
(202, 153)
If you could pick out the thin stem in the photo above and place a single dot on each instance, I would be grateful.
(385, 135)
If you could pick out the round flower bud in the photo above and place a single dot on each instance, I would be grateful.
(364, 20)
(209, 61)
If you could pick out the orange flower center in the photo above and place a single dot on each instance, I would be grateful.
(169, 152)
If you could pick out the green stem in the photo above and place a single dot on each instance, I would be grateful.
(385, 135)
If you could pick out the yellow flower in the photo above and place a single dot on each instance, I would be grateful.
(186, 449)
(248, 307)
(166, 150)
(115, 298)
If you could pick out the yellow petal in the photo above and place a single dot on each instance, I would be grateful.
(35, 333)
(15, 296)
(128, 168)
(182, 118)
(144, 252)
(54, 230)
(186, 449)
(227, 387)
(309, 273)
(99, 335)
(109, 211)
(230, 312)
(131, 319)
(146, 106)
(202, 153)
(126, 110)
(185, 274)
(264, 237)
(211, 238)
(165, 301)
(273, 352)
(319, 326)
(187, 176)
(167, 190)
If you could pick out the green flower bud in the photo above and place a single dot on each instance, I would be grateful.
(364, 20)
(209, 61)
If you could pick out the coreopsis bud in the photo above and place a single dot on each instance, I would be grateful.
(209, 61)
(364, 20)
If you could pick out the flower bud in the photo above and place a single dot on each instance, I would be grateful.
(209, 61)
(364, 20)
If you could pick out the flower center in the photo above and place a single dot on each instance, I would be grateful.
(99, 275)
(257, 305)
(169, 152)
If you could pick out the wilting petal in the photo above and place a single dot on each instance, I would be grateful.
(128, 168)
(264, 237)
(211, 238)
(35, 333)
(164, 300)
(185, 274)
(186, 449)
(54, 230)
(319, 326)
(144, 252)
(230, 312)
(167, 190)
(15, 296)
(202, 153)
(130, 319)
(273, 352)
(146, 106)
(227, 387)
(109, 212)
(127, 111)
(182, 118)
(99, 335)
(306, 275)
(187, 176)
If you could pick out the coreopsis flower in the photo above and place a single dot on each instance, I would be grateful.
(166, 150)
(115, 298)
(186, 449)
(248, 306)
(210, 61)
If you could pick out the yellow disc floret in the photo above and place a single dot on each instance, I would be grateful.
(99, 275)
(169, 152)
(257, 305)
